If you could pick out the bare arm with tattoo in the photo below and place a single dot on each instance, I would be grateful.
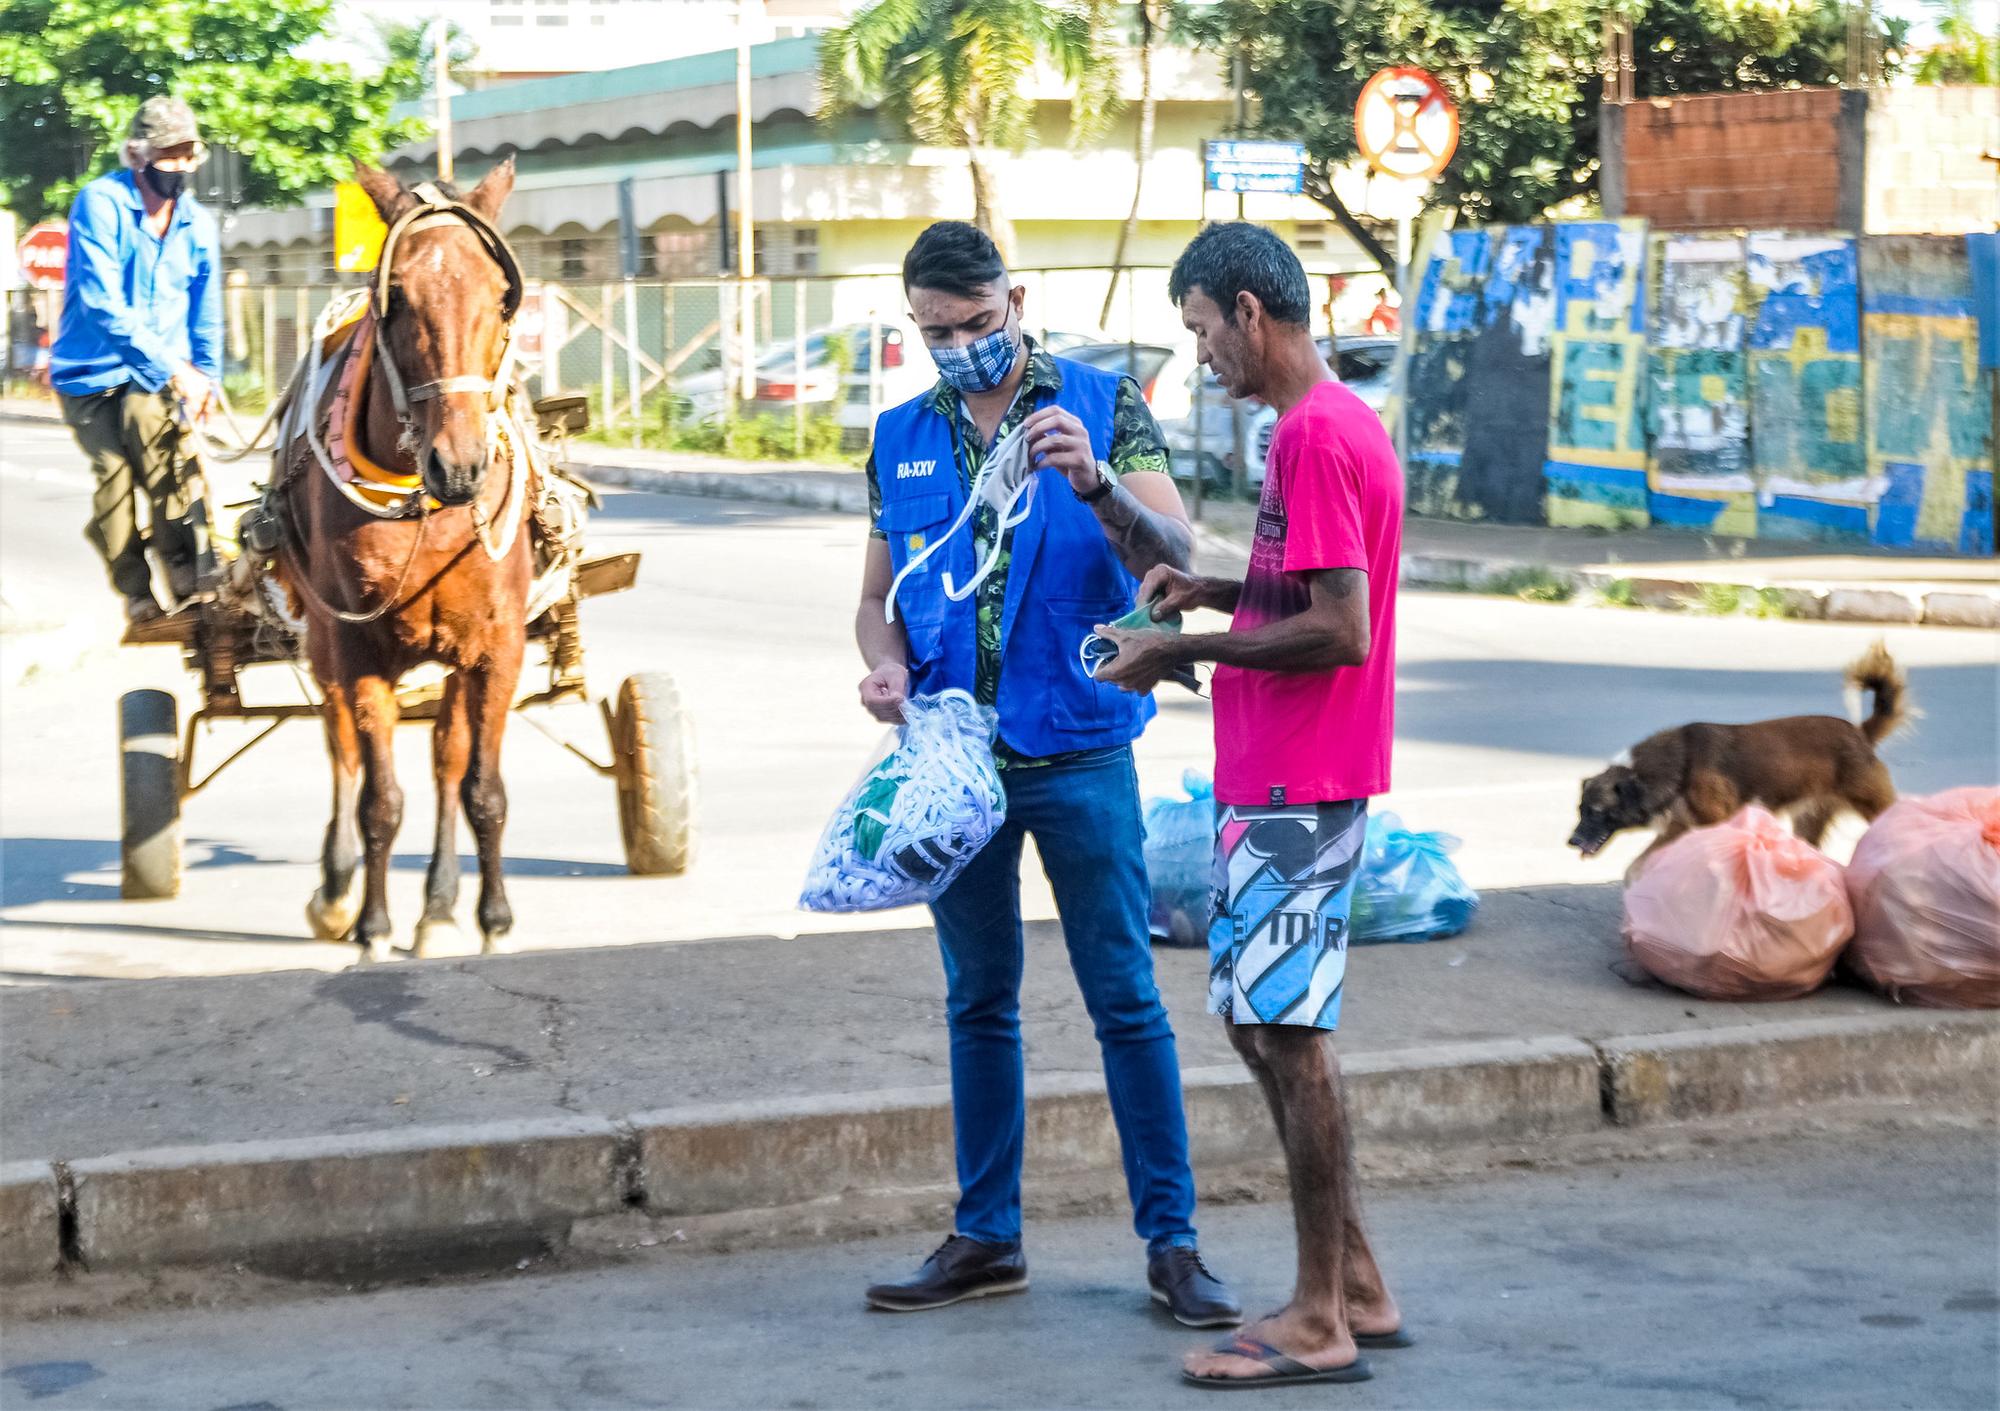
(1333, 631)
(1142, 516)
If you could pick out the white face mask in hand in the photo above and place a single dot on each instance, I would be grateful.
(1006, 482)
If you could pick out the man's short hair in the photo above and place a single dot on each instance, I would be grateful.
(955, 258)
(1227, 259)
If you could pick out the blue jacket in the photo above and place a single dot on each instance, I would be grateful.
(1062, 580)
(134, 307)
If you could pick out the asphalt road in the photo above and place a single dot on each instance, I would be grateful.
(1823, 1273)
(1503, 707)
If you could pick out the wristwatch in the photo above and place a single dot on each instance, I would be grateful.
(1106, 482)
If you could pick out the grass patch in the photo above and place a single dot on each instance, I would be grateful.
(768, 436)
(1771, 603)
(1618, 593)
(1719, 600)
(1531, 585)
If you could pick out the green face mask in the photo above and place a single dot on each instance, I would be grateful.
(1095, 651)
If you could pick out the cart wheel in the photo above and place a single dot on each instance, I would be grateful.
(652, 750)
(150, 795)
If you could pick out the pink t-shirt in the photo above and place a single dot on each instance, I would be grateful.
(1333, 498)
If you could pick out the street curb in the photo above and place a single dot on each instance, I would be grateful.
(761, 487)
(1752, 596)
(412, 1199)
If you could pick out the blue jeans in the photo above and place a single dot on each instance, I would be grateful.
(1084, 815)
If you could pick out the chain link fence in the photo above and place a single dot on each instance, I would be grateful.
(768, 368)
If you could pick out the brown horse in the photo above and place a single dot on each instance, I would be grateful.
(382, 594)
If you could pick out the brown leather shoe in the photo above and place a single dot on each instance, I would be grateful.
(961, 1268)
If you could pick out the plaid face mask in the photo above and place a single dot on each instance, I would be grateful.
(980, 365)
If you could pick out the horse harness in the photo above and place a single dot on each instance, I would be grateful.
(384, 493)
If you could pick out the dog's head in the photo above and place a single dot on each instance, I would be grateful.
(1612, 802)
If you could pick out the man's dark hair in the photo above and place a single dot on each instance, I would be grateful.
(953, 257)
(1227, 259)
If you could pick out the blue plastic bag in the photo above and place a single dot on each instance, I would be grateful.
(1180, 861)
(1409, 889)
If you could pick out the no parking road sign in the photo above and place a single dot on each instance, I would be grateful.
(1405, 124)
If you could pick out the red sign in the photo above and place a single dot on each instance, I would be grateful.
(44, 254)
(1405, 124)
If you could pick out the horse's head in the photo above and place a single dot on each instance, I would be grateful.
(444, 326)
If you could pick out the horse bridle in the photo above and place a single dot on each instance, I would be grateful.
(434, 208)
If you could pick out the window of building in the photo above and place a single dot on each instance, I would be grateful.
(681, 254)
(570, 254)
(649, 257)
(805, 250)
(1310, 237)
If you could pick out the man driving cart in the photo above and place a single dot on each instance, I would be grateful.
(139, 339)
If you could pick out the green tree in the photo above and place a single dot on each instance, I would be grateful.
(1964, 53)
(410, 46)
(953, 73)
(73, 72)
(1526, 75)
(1149, 17)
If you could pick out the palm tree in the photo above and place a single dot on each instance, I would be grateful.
(951, 73)
(1142, 149)
(409, 46)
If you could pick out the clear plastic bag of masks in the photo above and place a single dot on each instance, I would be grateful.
(929, 801)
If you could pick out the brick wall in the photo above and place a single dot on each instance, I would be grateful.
(1926, 172)
(1735, 160)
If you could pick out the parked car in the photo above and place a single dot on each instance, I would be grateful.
(1366, 364)
(819, 384)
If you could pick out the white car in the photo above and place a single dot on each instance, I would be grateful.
(1366, 364)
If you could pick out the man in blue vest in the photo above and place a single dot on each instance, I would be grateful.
(1098, 513)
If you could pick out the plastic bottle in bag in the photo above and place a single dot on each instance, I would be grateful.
(1925, 883)
(1743, 910)
(929, 802)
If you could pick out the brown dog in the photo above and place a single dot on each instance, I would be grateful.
(1697, 775)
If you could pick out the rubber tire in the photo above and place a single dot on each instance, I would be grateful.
(652, 750)
(149, 749)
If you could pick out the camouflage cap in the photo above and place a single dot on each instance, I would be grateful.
(164, 121)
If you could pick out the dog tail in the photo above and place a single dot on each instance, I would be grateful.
(1877, 673)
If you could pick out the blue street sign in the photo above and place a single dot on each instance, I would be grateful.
(1256, 166)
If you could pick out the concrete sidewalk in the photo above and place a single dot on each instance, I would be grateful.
(1639, 568)
(757, 1088)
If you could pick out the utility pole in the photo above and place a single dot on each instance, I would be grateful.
(441, 63)
(746, 245)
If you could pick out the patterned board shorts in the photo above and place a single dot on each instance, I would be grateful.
(1277, 936)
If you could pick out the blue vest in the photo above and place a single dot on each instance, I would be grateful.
(1062, 580)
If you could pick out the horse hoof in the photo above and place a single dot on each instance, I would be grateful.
(438, 935)
(378, 952)
(495, 943)
(334, 920)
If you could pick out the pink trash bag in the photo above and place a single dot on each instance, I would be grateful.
(1925, 883)
(1742, 910)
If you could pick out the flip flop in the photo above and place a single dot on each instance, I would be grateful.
(1401, 1337)
(1285, 1371)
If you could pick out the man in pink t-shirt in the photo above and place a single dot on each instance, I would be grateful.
(1304, 714)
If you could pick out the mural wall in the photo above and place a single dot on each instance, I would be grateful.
(1774, 384)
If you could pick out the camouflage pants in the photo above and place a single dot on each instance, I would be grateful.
(133, 441)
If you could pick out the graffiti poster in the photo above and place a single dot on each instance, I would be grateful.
(1698, 388)
(1595, 471)
(1805, 388)
(1929, 405)
(1479, 370)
